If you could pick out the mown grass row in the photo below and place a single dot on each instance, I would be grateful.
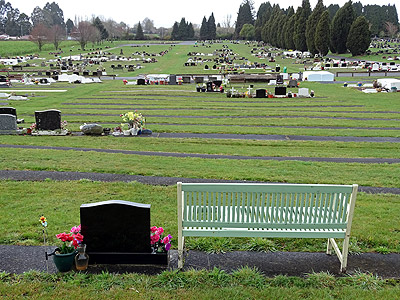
(244, 283)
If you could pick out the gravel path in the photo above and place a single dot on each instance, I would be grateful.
(215, 156)
(151, 180)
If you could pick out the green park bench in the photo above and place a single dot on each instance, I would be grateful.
(266, 210)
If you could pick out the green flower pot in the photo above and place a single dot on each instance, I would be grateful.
(64, 262)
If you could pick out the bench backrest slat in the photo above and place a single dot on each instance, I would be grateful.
(252, 205)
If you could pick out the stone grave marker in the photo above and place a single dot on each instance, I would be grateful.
(172, 80)
(118, 232)
(186, 79)
(8, 111)
(198, 80)
(280, 91)
(304, 92)
(279, 79)
(8, 124)
(48, 119)
(261, 93)
(292, 83)
(141, 81)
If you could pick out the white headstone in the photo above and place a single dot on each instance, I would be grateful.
(304, 92)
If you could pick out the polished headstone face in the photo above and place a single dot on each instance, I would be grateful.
(48, 119)
(116, 226)
(8, 111)
(8, 124)
(261, 93)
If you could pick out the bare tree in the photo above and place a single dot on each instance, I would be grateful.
(227, 21)
(84, 33)
(391, 29)
(39, 35)
(56, 35)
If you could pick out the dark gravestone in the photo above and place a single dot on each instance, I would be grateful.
(280, 91)
(292, 83)
(8, 111)
(8, 124)
(261, 93)
(210, 87)
(199, 79)
(48, 119)
(118, 232)
(217, 83)
(279, 79)
(141, 81)
(172, 79)
(186, 79)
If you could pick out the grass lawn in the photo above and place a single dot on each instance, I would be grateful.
(335, 111)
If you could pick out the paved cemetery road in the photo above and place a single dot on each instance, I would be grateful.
(151, 180)
(216, 156)
(20, 259)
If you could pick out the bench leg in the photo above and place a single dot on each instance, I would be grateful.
(345, 252)
(181, 242)
(329, 247)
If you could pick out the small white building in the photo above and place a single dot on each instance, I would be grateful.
(318, 76)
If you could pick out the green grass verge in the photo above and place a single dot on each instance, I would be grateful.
(375, 226)
(244, 283)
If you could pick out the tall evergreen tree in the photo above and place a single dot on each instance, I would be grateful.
(332, 10)
(100, 26)
(204, 29)
(322, 34)
(212, 29)
(245, 16)
(190, 31)
(139, 32)
(289, 32)
(312, 23)
(182, 30)
(174, 33)
(359, 37)
(341, 24)
(70, 25)
(300, 26)
(263, 15)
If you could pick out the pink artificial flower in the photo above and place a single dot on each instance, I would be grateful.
(76, 229)
(165, 240)
(153, 229)
(154, 238)
(160, 230)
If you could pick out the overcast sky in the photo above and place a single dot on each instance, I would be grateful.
(163, 12)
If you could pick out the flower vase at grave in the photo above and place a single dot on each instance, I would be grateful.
(134, 131)
(64, 262)
(82, 258)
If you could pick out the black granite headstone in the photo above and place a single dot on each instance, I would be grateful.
(279, 79)
(8, 111)
(280, 91)
(141, 81)
(48, 119)
(186, 79)
(118, 232)
(261, 93)
(210, 87)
